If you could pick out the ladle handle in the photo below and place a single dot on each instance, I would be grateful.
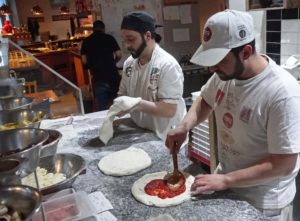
(175, 161)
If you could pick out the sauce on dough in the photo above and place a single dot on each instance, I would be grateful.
(159, 188)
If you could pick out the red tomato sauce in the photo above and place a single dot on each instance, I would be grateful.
(158, 187)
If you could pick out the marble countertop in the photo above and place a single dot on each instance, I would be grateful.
(81, 137)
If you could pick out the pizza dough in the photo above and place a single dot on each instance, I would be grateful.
(123, 103)
(125, 162)
(139, 194)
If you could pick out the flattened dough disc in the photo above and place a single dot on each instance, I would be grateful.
(125, 162)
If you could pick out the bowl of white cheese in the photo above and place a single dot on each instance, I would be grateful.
(56, 173)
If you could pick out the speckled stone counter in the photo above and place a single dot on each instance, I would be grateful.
(81, 137)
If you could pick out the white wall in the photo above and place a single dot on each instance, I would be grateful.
(259, 18)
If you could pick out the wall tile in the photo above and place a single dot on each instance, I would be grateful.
(288, 49)
(273, 36)
(289, 37)
(290, 13)
(288, 31)
(273, 25)
(274, 14)
(289, 25)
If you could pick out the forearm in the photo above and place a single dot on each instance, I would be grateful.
(161, 109)
(198, 112)
(269, 168)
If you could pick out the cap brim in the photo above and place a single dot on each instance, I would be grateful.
(209, 57)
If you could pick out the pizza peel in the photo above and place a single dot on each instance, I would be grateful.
(176, 179)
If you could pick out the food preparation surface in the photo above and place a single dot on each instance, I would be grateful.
(81, 137)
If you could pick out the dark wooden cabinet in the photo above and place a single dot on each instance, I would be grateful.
(58, 61)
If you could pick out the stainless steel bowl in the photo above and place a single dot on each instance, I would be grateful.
(22, 199)
(49, 147)
(19, 152)
(21, 118)
(15, 103)
(68, 164)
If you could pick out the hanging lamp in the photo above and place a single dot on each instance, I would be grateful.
(5, 10)
(64, 10)
(36, 10)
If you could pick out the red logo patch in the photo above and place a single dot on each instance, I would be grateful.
(207, 34)
(219, 97)
(228, 120)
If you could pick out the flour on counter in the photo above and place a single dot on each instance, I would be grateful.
(125, 162)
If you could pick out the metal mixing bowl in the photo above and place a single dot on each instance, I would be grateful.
(20, 119)
(19, 152)
(22, 199)
(49, 147)
(68, 164)
(15, 103)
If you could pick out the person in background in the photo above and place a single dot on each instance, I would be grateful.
(100, 52)
(256, 104)
(152, 74)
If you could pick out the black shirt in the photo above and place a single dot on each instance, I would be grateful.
(99, 48)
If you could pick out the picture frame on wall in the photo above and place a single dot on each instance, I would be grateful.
(56, 4)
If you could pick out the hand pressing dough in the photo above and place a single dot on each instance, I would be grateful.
(139, 194)
(125, 162)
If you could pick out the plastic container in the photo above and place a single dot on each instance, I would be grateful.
(75, 206)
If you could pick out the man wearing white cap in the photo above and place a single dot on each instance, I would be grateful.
(256, 104)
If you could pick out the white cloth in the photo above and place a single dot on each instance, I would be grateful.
(159, 80)
(257, 117)
(123, 103)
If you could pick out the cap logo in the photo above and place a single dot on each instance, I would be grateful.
(207, 34)
(242, 33)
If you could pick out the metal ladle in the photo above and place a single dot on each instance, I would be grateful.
(176, 179)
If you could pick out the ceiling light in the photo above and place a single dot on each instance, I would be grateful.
(64, 10)
(37, 10)
(5, 10)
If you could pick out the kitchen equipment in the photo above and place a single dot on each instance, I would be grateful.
(49, 147)
(71, 165)
(19, 153)
(14, 103)
(23, 199)
(21, 118)
(176, 179)
(74, 206)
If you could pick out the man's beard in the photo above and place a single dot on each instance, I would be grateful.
(136, 53)
(238, 70)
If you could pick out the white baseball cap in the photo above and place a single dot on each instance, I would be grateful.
(222, 32)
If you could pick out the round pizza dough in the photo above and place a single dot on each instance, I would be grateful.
(125, 162)
(139, 194)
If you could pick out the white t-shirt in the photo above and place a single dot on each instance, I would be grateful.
(257, 117)
(161, 79)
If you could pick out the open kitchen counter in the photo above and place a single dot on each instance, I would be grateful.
(81, 137)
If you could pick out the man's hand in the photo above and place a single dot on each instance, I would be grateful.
(122, 113)
(177, 135)
(209, 182)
